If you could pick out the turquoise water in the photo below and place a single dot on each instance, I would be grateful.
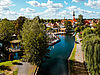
(57, 63)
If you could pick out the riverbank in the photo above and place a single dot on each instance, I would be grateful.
(56, 63)
(76, 60)
(9, 67)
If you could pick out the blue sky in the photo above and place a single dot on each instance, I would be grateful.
(49, 9)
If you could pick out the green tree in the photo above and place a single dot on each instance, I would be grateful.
(35, 41)
(37, 18)
(42, 20)
(77, 29)
(87, 31)
(6, 30)
(18, 25)
(97, 29)
(91, 47)
(68, 25)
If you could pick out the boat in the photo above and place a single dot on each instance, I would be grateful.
(54, 42)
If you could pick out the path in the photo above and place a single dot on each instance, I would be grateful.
(79, 53)
(78, 66)
(24, 68)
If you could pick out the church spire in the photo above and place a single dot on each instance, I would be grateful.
(73, 13)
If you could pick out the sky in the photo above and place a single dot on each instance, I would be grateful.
(49, 9)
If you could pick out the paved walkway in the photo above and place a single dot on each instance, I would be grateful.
(78, 66)
(79, 53)
(24, 68)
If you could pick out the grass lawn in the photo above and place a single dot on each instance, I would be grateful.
(72, 58)
(15, 72)
(73, 53)
(8, 67)
(9, 63)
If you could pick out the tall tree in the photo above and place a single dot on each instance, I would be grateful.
(97, 29)
(6, 30)
(91, 47)
(34, 41)
(19, 24)
(87, 31)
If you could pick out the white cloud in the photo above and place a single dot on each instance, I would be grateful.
(34, 3)
(72, 7)
(93, 4)
(85, 13)
(81, 11)
(27, 10)
(77, 0)
(49, 4)
(65, 13)
(5, 11)
(65, 2)
(6, 3)
(11, 13)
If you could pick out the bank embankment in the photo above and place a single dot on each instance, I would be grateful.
(71, 59)
(76, 60)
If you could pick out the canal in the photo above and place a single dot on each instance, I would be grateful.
(59, 53)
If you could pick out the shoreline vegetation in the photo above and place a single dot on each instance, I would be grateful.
(72, 58)
(9, 67)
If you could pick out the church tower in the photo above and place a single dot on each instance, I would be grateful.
(74, 20)
(73, 14)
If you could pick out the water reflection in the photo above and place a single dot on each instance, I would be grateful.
(57, 64)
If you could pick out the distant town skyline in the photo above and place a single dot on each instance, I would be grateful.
(49, 9)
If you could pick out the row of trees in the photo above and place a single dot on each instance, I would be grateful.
(33, 36)
(91, 48)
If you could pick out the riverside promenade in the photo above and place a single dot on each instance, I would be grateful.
(79, 56)
(27, 69)
(76, 66)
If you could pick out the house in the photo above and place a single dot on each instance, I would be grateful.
(52, 25)
(14, 49)
(63, 21)
(62, 29)
(73, 21)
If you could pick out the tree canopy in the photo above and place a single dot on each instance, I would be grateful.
(97, 29)
(35, 41)
(87, 31)
(91, 47)
(6, 30)
(18, 25)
